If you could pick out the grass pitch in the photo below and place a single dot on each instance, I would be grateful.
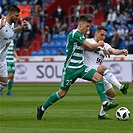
(75, 113)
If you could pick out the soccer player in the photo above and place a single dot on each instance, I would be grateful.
(74, 67)
(6, 35)
(11, 53)
(94, 59)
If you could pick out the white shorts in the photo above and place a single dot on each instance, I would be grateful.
(3, 69)
(107, 85)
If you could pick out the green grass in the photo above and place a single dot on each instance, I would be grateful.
(76, 113)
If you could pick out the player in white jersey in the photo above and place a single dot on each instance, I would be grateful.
(6, 35)
(95, 60)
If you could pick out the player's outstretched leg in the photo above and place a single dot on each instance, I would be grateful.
(124, 88)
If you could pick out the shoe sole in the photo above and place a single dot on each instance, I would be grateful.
(105, 118)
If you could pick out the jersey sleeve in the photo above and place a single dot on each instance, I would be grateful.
(79, 38)
(106, 46)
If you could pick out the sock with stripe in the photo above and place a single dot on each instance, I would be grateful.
(52, 99)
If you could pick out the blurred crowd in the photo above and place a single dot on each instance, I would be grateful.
(118, 19)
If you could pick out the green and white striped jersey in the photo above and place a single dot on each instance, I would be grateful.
(75, 52)
(10, 52)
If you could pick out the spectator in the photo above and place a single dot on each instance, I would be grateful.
(108, 6)
(111, 17)
(42, 17)
(126, 32)
(37, 4)
(78, 9)
(23, 38)
(26, 36)
(115, 40)
(59, 13)
(128, 17)
(120, 18)
(118, 6)
(111, 32)
(130, 6)
(46, 34)
(71, 27)
(96, 5)
(120, 31)
(60, 52)
(122, 6)
(130, 45)
(34, 28)
(25, 10)
(57, 26)
(63, 29)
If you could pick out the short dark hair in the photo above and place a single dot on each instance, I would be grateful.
(12, 8)
(84, 18)
(99, 28)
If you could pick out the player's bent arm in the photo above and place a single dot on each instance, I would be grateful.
(23, 26)
(89, 46)
(2, 22)
(118, 52)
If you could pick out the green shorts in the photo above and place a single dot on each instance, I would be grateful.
(11, 67)
(69, 76)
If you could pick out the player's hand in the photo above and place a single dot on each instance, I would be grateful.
(101, 43)
(24, 24)
(106, 53)
(3, 21)
(125, 52)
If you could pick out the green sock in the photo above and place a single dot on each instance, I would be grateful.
(52, 99)
(10, 84)
(101, 90)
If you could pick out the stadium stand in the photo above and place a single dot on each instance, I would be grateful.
(58, 41)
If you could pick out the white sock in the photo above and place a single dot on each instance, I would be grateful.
(103, 103)
(42, 108)
(109, 99)
(112, 79)
(102, 112)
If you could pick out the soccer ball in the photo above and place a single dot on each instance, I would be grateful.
(122, 113)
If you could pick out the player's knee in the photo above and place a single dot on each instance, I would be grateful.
(10, 76)
(3, 85)
(102, 69)
(62, 93)
(97, 77)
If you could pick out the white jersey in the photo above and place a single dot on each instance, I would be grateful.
(94, 57)
(6, 35)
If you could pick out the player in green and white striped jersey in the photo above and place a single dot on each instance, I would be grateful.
(74, 66)
(11, 53)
